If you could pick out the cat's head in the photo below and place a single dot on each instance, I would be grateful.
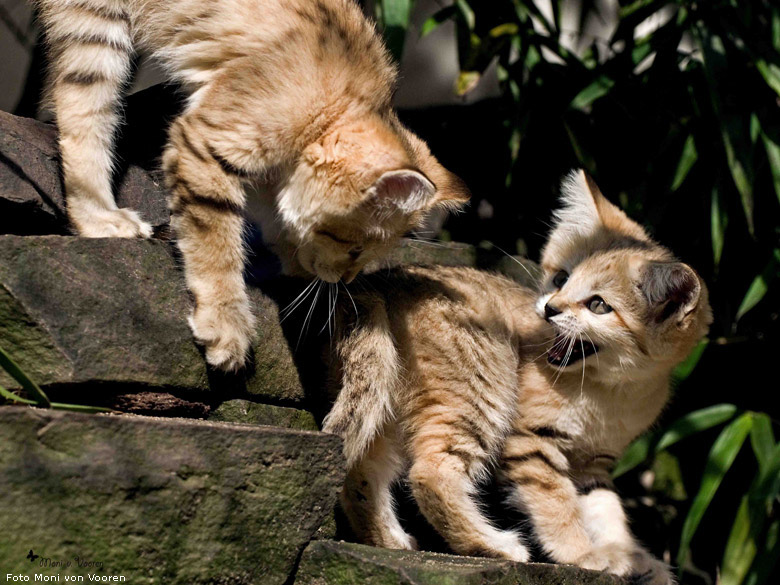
(355, 192)
(619, 302)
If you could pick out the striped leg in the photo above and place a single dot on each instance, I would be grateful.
(90, 50)
(541, 486)
(449, 457)
(207, 205)
(537, 473)
(367, 499)
(607, 525)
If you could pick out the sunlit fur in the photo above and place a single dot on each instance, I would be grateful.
(287, 98)
(445, 377)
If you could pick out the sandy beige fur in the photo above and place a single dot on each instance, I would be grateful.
(490, 375)
(289, 98)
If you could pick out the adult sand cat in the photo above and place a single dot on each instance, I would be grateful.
(452, 370)
(295, 94)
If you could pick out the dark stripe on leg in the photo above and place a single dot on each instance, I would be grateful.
(80, 78)
(594, 484)
(550, 433)
(534, 456)
(226, 165)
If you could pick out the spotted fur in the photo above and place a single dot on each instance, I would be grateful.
(478, 386)
(289, 101)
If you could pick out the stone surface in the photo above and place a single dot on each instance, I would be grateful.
(458, 254)
(161, 500)
(339, 563)
(247, 412)
(31, 196)
(111, 313)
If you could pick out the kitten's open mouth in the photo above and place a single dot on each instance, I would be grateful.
(575, 350)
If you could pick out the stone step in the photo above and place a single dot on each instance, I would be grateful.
(160, 500)
(341, 563)
(112, 313)
(255, 413)
(31, 197)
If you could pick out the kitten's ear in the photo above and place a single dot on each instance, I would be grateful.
(406, 190)
(584, 210)
(670, 289)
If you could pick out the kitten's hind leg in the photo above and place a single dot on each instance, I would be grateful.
(444, 490)
(207, 202)
(90, 47)
(367, 499)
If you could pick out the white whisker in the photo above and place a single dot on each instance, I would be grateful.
(288, 310)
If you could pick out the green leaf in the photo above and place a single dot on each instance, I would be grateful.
(773, 154)
(467, 80)
(766, 559)
(598, 88)
(740, 548)
(771, 74)
(685, 369)
(744, 542)
(776, 28)
(722, 455)
(690, 424)
(509, 28)
(762, 439)
(687, 158)
(760, 285)
(394, 17)
(719, 221)
(741, 179)
(24, 381)
(695, 422)
(11, 396)
(434, 21)
(636, 453)
(467, 13)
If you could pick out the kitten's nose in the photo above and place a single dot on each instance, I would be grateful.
(550, 311)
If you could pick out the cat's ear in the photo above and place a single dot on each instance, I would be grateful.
(451, 191)
(671, 289)
(406, 190)
(584, 210)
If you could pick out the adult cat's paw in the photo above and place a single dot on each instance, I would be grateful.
(612, 558)
(648, 570)
(109, 223)
(225, 331)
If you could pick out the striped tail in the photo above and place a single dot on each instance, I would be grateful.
(370, 374)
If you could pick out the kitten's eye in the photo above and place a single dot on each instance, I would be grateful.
(598, 306)
(560, 278)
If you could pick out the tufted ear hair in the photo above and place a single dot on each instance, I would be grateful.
(406, 190)
(672, 289)
(584, 210)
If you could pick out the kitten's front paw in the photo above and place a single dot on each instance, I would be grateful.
(226, 333)
(110, 223)
(648, 570)
(612, 558)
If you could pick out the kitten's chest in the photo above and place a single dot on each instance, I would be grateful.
(605, 423)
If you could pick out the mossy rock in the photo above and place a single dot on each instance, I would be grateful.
(340, 563)
(161, 500)
(247, 412)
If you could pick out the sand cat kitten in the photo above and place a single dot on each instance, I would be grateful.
(295, 94)
(452, 370)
